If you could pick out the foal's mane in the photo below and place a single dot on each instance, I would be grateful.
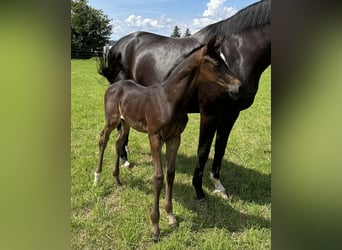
(182, 59)
(255, 15)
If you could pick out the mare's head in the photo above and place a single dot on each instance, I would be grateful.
(215, 69)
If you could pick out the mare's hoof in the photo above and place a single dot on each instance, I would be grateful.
(202, 200)
(221, 194)
(127, 164)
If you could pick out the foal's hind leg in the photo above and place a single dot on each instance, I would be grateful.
(172, 146)
(104, 137)
(120, 139)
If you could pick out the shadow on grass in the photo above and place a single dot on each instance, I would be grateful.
(247, 184)
(240, 181)
(218, 213)
(243, 184)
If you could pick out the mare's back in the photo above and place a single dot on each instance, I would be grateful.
(150, 57)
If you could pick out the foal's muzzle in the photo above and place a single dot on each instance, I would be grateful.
(234, 89)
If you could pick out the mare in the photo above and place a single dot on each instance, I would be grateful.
(246, 48)
(160, 111)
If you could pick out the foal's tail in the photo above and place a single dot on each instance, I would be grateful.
(109, 65)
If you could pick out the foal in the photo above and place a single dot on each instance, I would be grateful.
(160, 111)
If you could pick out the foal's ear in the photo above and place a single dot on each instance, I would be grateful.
(215, 43)
(206, 54)
(212, 42)
(204, 50)
(219, 42)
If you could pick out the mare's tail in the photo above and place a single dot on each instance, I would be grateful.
(109, 65)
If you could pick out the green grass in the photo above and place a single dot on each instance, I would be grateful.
(112, 217)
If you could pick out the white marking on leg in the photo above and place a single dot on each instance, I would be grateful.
(219, 188)
(217, 183)
(126, 164)
(97, 178)
(172, 219)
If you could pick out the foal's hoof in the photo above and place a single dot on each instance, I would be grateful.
(155, 232)
(221, 194)
(97, 178)
(155, 237)
(118, 182)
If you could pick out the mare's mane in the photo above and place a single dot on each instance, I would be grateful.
(255, 15)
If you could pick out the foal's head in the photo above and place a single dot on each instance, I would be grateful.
(215, 69)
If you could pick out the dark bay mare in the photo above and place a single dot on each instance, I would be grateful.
(246, 48)
(160, 111)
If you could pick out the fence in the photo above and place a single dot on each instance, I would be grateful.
(89, 53)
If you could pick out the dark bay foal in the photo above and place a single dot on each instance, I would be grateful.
(160, 111)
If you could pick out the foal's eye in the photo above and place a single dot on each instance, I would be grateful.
(214, 62)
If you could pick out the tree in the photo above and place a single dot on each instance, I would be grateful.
(187, 32)
(90, 29)
(176, 32)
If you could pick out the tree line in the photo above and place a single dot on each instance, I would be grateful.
(177, 32)
(91, 30)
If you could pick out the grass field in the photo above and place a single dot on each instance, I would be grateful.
(111, 217)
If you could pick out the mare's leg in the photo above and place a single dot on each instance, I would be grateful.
(172, 146)
(158, 179)
(120, 139)
(207, 131)
(123, 154)
(223, 130)
(104, 137)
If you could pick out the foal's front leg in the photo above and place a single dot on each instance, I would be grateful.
(158, 179)
(172, 146)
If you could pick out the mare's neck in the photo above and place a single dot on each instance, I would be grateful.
(247, 43)
(249, 52)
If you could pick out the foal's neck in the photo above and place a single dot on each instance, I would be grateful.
(180, 84)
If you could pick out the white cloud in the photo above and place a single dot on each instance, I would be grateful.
(160, 25)
(147, 23)
(216, 11)
(214, 7)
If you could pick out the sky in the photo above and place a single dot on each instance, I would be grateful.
(161, 16)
